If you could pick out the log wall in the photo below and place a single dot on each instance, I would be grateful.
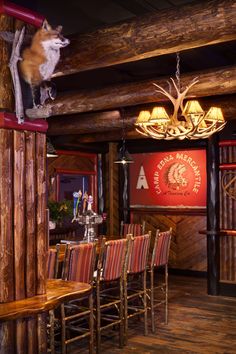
(188, 248)
(23, 214)
(227, 210)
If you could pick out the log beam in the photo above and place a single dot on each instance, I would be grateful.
(100, 122)
(163, 32)
(134, 93)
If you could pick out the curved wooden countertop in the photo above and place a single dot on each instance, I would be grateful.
(58, 291)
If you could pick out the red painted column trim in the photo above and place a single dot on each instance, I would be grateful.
(9, 121)
(22, 13)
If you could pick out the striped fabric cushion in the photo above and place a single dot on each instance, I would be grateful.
(81, 263)
(51, 263)
(138, 254)
(134, 229)
(162, 250)
(113, 263)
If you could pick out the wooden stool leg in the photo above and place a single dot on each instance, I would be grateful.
(51, 331)
(91, 324)
(152, 300)
(121, 309)
(125, 312)
(166, 294)
(98, 321)
(63, 330)
(145, 303)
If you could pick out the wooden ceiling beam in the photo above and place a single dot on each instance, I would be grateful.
(94, 127)
(163, 32)
(214, 81)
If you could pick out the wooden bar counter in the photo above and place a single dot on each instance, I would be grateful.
(57, 291)
(23, 323)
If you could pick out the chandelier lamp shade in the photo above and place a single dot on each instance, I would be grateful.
(188, 121)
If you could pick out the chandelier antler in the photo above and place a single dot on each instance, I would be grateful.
(189, 121)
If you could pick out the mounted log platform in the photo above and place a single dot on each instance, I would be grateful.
(167, 31)
(136, 93)
(98, 123)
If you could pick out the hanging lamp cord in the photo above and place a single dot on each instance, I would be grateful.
(177, 73)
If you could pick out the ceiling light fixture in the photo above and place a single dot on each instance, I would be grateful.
(123, 154)
(186, 122)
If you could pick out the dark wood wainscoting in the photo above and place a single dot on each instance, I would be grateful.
(188, 248)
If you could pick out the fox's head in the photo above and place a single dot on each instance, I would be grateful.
(51, 38)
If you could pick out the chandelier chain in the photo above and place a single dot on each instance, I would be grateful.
(177, 73)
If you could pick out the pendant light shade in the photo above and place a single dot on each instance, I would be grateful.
(123, 154)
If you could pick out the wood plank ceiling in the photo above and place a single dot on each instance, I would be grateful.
(119, 47)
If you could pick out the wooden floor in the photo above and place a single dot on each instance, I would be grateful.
(198, 323)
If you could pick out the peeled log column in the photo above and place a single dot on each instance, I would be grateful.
(134, 93)
(30, 210)
(6, 220)
(6, 94)
(19, 214)
(163, 32)
(41, 237)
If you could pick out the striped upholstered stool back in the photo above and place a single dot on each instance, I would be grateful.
(79, 262)
(52, 263)
(132, 229)
(114, 259)
(138, 256)
(161, 248)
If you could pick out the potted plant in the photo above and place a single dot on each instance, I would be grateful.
(59, 211)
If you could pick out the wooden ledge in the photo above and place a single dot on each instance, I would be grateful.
(58, 291)
(223, 232)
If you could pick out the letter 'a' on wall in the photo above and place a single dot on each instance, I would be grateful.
(173, 179)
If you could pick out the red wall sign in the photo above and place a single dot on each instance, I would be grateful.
(175, 179)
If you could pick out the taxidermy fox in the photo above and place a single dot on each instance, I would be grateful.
(40, 59)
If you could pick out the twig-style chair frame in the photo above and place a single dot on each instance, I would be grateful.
(109, 288)
(160, 258)
(78, 266)
(132, 229)
(52, 263)
(52, 271)
(137, 265)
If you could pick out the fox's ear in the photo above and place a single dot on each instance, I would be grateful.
(46, 26)
(59, 29)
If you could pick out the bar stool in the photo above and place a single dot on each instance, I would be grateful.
(132, 229)
(109, 288)
(135, 289)
(160, 256)
(52, 271)
(78, 266)
(52, 263)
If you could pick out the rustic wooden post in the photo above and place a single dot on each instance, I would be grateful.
(23, 235)
(112, 192)
(213, 245)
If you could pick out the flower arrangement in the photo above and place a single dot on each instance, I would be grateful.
(58, 211)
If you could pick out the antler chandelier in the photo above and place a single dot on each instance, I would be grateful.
(186, 122)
